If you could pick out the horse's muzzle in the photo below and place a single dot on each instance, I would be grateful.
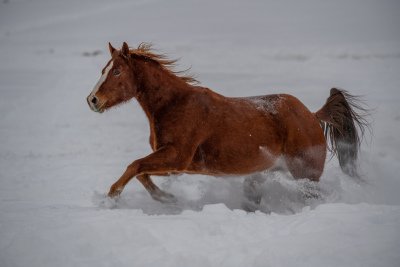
(93, 103)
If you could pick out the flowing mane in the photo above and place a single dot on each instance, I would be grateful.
(145, 50)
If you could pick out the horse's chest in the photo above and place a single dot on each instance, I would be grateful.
(153, 137)
(158, 136)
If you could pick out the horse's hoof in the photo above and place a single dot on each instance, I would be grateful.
(164, 197)
(113, 195)
(114, 192)
(250, 206)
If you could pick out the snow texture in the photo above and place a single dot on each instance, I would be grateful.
(58, 158)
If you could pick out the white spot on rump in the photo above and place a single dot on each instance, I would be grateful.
(102, 78)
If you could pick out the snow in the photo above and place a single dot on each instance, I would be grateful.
(77, 236)
(58, 158)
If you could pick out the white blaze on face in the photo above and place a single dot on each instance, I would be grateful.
(102, 79)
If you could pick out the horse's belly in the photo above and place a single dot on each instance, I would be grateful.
(233, 161)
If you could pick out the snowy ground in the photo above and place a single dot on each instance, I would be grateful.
(58, 158)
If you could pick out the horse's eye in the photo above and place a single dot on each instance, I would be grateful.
(116, 72)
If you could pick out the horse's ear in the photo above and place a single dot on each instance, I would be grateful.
(112, 49)
(125, 49)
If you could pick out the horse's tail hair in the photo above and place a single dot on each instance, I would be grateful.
(344, 123)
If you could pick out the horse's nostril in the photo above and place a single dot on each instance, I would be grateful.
(94, 100)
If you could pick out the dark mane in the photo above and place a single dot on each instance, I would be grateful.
(145, 50)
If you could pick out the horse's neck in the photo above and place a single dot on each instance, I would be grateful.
(158, 89)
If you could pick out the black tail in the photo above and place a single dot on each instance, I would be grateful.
(344, 127)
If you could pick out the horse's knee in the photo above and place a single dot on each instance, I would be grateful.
(132, 168)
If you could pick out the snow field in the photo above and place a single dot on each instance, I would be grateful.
(58, 158)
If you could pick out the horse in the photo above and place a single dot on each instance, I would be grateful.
(195, 130)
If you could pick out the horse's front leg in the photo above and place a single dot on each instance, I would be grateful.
(155, 192)
(165, 160)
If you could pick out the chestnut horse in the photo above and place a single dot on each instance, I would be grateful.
(197, 131)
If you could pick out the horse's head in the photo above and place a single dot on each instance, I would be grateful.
(117, 82)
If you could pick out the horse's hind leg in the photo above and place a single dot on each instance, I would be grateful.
(155, 192)
(307, 163)
(301, 169)
(252, 191)
(307, 167)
